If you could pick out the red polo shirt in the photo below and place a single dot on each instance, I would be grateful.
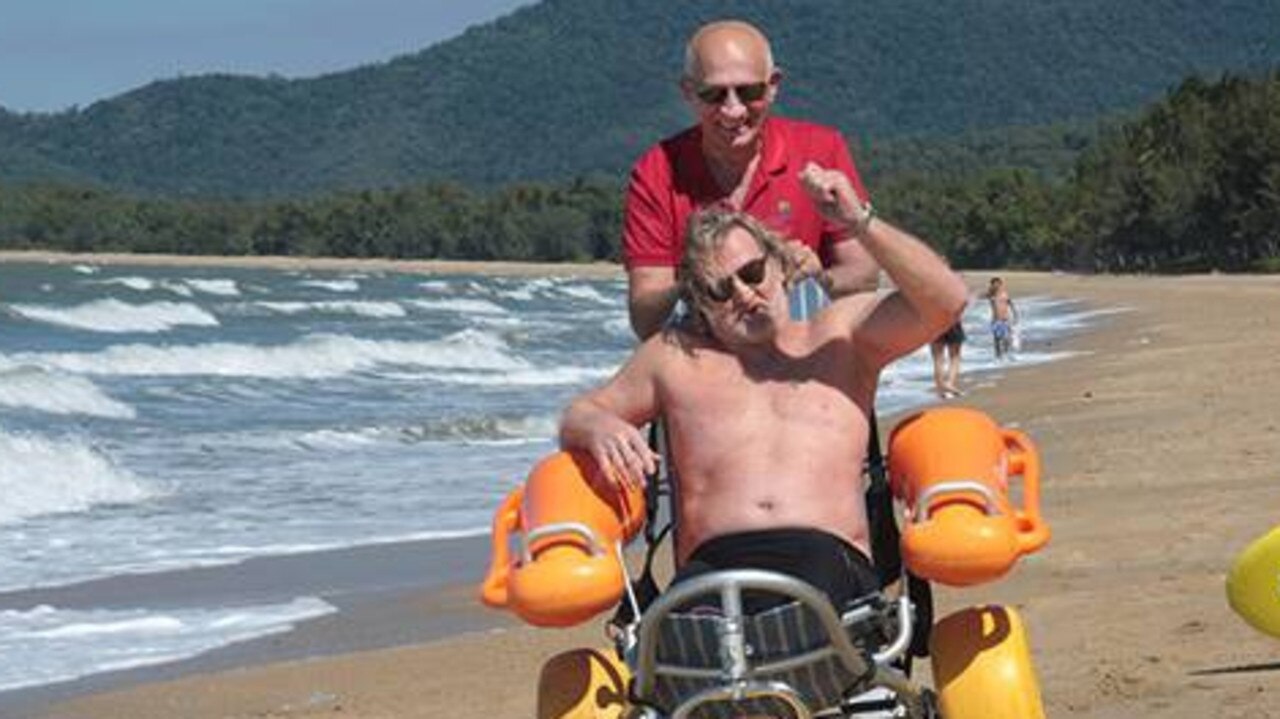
(671, 181)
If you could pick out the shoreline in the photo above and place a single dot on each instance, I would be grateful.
(397, 592)
(601, 270)
(1159, 442)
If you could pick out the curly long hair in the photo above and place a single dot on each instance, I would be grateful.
(705, 234)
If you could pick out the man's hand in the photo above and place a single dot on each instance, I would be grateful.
(621, 452)
(833, 194)
(804, 261)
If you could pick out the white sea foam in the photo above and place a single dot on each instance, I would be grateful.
(347, 285)
(470, 429)
(460, 305)
(337, 439)
(585, 292)
(314, 356)
(61, 644)
(39, 475)
(32, 387)
(139, 284)
(526, 291)
(112, 315)
(216, 286)
(618, 326)
(378, 310)
(526, 377)
(435, 285)
(85, 269)
(504, 322)
(184, 287)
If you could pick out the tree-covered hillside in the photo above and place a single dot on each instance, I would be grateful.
(569, 88)
(1190, 184)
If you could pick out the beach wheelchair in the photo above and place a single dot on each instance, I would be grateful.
(694, 652)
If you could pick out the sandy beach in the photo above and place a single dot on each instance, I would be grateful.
(1161, 442)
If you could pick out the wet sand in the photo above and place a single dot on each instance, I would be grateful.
(1161, 442)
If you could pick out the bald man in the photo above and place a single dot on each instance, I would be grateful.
(736, 157)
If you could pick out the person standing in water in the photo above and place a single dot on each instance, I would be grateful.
(946, 361)
(1003, 317)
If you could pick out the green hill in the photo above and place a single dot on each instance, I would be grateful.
(570, 88)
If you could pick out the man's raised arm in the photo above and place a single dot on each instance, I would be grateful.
(929, 296)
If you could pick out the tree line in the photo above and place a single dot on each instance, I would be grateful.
(1191, 184)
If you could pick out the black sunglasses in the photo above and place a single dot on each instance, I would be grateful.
(717, 94)
(751, 274)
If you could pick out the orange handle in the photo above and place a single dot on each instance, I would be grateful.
(1024, 460)
(493, 591)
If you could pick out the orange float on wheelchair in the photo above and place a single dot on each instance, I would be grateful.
(951, 466)
(569, 524)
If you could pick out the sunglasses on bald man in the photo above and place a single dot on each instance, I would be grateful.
(717, 94)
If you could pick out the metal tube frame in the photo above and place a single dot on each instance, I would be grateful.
(737, 673)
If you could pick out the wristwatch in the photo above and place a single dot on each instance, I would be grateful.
(862, 220)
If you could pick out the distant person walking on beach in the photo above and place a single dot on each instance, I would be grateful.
(946, 361)
(1004, 315)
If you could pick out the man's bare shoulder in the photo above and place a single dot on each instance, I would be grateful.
(676, 342)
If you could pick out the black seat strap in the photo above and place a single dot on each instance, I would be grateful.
(886, 543)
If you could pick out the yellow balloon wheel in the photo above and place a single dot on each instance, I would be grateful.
(1253, 585)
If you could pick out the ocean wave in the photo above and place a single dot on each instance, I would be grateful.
(347, 285)
(526, 290)
(619, 327)
(460, 305)
(61, 644)
(377, 310)
(215, 286)
(435, 285)
(314, 356)
(184, 287)
(586, 292)
(137, 284)
(112, 315)
(40, 476)
(526, 377)
(477, 429)
(31, 387)
(502, 429)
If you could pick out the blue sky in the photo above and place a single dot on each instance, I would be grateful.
(59, 53)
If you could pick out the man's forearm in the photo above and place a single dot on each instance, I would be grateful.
(576, 423)
(852, 270)
(924, 278)
(842, 280)
(650, 308)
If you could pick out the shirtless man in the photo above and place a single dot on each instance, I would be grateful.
(767, 416)
(1003, 317)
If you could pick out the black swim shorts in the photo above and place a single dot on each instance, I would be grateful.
(822, 559)
(953, 336)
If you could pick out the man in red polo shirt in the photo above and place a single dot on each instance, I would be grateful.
(736, 157)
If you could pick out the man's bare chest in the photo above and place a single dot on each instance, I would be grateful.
(791, 392)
